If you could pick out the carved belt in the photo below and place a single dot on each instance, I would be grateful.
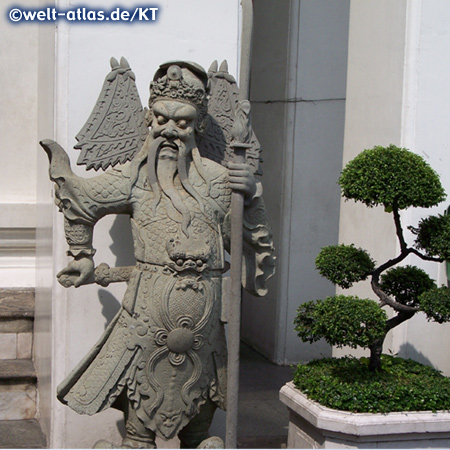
(184, 267)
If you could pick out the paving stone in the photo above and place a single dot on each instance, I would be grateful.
(262, 442)
(17, 390)
(21, 434)
(24, 345)
(8, 345)
(18, 402)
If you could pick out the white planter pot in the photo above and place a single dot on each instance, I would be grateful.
(314, 426)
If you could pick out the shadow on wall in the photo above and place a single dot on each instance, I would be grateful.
(122, 249)
(122, 241)
(110, 305)
(409, 351)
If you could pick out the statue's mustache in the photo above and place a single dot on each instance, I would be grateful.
(168, 151)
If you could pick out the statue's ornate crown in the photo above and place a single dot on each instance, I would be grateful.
(180, 81)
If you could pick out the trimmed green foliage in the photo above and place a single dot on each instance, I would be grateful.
(344, 264)
(433, 236)
(406, 284)
(435, 303)
(341, 320)
(391, 176)
(397, 179)
(348, 385)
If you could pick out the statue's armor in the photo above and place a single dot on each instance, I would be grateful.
(166, 347)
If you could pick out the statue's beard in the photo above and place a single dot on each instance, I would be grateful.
(163, 167)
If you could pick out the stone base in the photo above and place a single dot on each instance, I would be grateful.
(17, 401)
(314, 426)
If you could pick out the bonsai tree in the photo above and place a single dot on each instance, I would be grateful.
(397, 179)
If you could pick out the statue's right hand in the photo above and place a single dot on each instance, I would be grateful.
(79, 271)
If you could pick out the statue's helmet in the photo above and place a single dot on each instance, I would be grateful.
(182, 81)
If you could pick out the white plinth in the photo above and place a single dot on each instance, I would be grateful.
(314, 426)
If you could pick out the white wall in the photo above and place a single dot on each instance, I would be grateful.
(18, 110)
(397, 93)
(196, 30)
(426, 109)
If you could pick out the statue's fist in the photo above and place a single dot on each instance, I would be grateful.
(242, 179)
(79, 271)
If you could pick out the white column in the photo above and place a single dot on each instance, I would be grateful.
(298, 96)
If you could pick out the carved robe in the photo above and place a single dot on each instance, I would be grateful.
(166, 347)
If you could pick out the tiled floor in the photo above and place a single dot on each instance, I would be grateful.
(263, 419)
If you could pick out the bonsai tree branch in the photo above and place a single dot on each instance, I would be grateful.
(401, 317)
(398, 228)
(425, 257)
(404, 252)
(386, 300)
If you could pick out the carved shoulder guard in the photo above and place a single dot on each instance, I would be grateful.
(116, 128)
(215, 142)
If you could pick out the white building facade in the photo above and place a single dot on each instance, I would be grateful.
(329, 79)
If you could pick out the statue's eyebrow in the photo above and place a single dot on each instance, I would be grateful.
(160, 109)
(182, 114)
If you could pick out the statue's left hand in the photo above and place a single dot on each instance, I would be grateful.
(77, 272)
(242, 179)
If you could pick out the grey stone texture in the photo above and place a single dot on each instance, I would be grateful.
(162, 359)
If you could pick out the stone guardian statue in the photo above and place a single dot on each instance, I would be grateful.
(162, 359)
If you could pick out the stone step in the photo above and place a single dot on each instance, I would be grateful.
(17, 390)
(18, 426)
(16, 303)
(16, 323)
(21, 434)
(17, 369)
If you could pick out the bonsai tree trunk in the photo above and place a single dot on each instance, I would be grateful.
(375, 355)
(376, 347)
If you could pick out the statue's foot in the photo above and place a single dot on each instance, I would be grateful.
(104, 444)
(212, 442)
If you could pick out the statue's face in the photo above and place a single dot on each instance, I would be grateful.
(174, 121)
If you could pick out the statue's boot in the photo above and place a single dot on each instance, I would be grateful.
(212, 442)
(196, 432)
(104, 444)
(129, 442)
(137, 436)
